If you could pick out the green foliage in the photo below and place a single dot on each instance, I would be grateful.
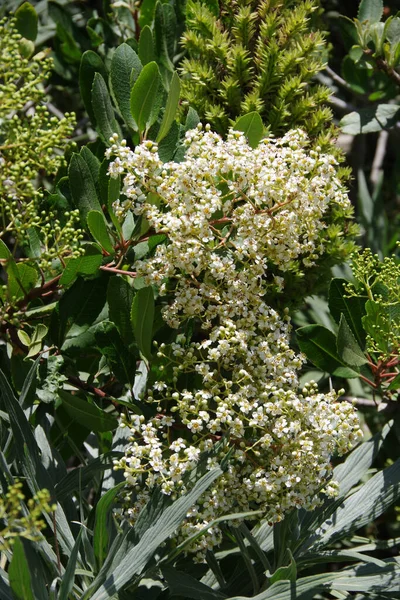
(257, 56)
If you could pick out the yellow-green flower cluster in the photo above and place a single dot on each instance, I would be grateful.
(21, 522)
(235, 220)
(32, 144)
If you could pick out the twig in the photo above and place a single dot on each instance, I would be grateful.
(78, 383)
(121, 271)
(339, 80)
(380, 152)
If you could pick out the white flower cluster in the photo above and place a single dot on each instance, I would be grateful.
(231, 215)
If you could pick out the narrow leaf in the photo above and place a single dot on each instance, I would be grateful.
(19, 573)
(144, 96)
(101, 536)
(125, 69)
(146, 46)
(120, 297)
(82, 186)
(171, 107)
(86, 414)
(352, 307)
(67, 582)
(142, 317)
(103, 110)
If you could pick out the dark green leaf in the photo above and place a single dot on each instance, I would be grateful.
(370, 10)
(26, 21)
(21, 280)
(120, 296)
(78, 307)
(352, 307)
(319, 345)
(19, 574)
(147, 9)
(252, 127)
(186, 586)
(111, 346)
(91, 63)
(103, 111)
(101, 535)
(168, 145)
(88, 264)
(98, 229)
(82, 476)
(125, 69)
(87, 414)
(146, 46)
(67, 581)
(368, 120)
(171, 107)
(142, 317)
(347, 347)
(82, 186)
(35, 249)
(144, 97)
(165, 33)
(92, 162)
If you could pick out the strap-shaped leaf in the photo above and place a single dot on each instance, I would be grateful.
(125, 69)
(103, 111)
(171, 107)
(144, 97)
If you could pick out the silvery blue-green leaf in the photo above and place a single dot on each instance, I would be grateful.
(362, 507)
(371, 119)
(138, 556)
(370, 10)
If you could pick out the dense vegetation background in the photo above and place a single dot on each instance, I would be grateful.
(160, 434)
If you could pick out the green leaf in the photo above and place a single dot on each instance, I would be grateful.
(165, 34)
(4, 251)
(98, 229)
(393, 31)
(125, 69)
(113, 192)
(67, 581)
(101, 535)
(82, 186)
(21, 280)
(78, 307)
(121, 361)
(142, 317)
(362, 507)
(370, 10)
(120, 297)
(88, 264)
(26, 21)
(319, 345)
(186, 586)
(146, 46)
(103, 111)
(365, 201)
(144, 96)
(35, 248)
(348, 349)
(168, 145)
(288, 572)
(171, 107)
(252, 127)
(86, 414)
(371, 119)
(138, 556)
(19, 574)
(146, 16)
(352, 307)
(91, 64)
(92, 162)
(82, 476)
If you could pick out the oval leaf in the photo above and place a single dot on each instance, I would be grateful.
(125, 66)
(252, 127)
(98, 229)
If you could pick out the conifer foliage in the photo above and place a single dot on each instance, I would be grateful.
(256, 56)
